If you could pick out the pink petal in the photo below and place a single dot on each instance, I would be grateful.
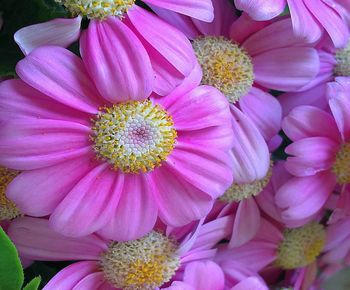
(205, 275)
(67, 278)
(60, 31)
(308, 121)
(251, 157)
(330, 20)
(42, 199)
(311, 155)
(90, 204)
(92, 281)
(261, 9)
(264, 110)
(36, 240)
(202, 10)
(286, 69)
(179, 202)
(61, 75)
(246, 223)
(116, 61)
(34, 143)
(304, 23)
(250, 283)
(137, 209)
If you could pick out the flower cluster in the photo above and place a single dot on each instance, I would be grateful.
(188, 145)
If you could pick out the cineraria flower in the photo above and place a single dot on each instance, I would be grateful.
(286, 249)
(101, 161)
(310, 18)
(111, 21)
(320, 150)
(155, 260)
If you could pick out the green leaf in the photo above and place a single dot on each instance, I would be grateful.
(33, 285)
(11, 272)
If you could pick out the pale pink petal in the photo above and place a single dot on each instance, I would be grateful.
(36, 240)
(179, 202)
(178, 285)
(202, 10)
(250, 284)
(177, 49)
(67, 278)
(305, 24)
(261, 9)
(136, 212)
(336, 233)
(47, 193)
(330, 20)
(307, 121)
(205, 275)
(246, 223)
(61, 75)
(286, 69)
(92, 281)
(264, 110)
(311, 155)
(116, 61)
(251, 157)
(60, 31)
(90, 204)
(30, 143)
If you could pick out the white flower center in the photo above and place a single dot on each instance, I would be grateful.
(342, 67)
(341, 166)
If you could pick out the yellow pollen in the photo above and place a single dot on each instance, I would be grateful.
(341, 166)
(342, 67)
(8, 209)
(97, 9)
(240, 191)
(134, 137)
(142, 264)
(225, 66)
(301, 246)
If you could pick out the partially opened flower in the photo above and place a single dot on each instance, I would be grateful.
(103, 159)
(155, 260)
(119, 21)
(310, 18)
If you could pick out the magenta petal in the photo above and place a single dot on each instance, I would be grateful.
(179, 202)
(251, 157)
(61, 75)
(36, 240)
(250, 283)
(202, 10)
(261, 9)
(246, 224)
(92, 281)
(286, 69)
(205, 275)
(67, 278)
(116, 61)
(51, 186)
(137, 209)
(90, 204)
(60, 31)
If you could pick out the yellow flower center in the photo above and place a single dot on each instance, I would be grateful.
(301, 246)
(97, 9)
(240, 191)
(8, 209)
(342, 67)
(225, 66)
(341, 166)
(142, 264)
(134, 136)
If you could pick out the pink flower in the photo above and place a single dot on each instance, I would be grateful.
(319, 152)
(172, 58)
(310, 18)
(102, 152)
(156, 260)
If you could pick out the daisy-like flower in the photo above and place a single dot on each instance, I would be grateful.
(172, 57)
(320, 150)
(155, 261)
(310, 18)
(113, 161)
